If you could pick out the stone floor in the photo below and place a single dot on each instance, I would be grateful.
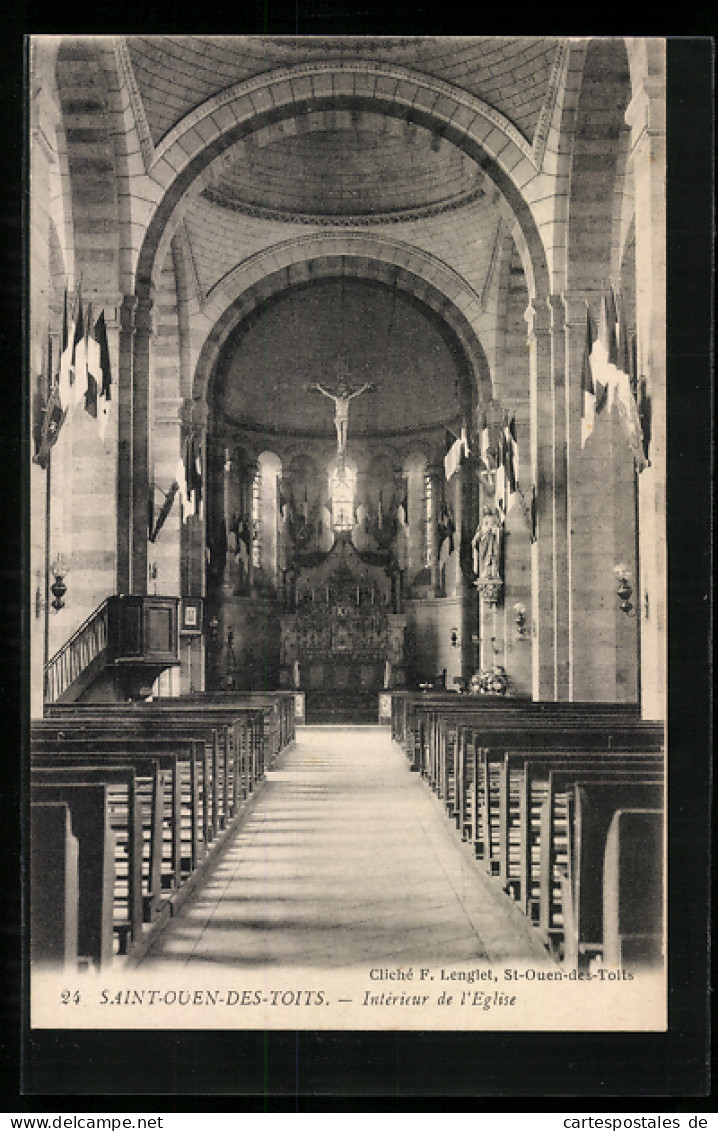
(345, 858)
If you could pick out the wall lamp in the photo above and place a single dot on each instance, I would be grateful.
(624, 590)
(454, 638)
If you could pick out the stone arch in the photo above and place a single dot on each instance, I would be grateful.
(307, 258)
(596, 166)
(185, 155)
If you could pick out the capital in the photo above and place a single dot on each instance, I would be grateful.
(127, 312)
(537, 317)
(646, 112)
(143, 315)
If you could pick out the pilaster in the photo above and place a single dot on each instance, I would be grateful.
(543, 595)
(646, 117)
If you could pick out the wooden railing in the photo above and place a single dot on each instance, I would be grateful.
(87, 646)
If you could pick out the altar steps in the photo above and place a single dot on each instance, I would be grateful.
(337, 707)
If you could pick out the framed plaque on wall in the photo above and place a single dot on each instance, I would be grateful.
(191, 616)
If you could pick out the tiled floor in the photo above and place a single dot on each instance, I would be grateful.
(346, 857)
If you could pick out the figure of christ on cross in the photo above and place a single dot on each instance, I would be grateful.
(341, 396)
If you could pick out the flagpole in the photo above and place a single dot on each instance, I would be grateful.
(46, 613)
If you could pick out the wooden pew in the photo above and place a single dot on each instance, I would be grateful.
(534, 788)
(167, 778)
(633, 905)
(232, 735)
(87, 794)
(54, 906)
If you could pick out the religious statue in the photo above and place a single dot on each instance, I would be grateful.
(341, 396)
(486, 547)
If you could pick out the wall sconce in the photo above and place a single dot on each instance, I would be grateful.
(520, 611)
(58, 588)
(454, 638)
(624, 589)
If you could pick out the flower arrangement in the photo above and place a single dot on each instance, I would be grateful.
(491, 681)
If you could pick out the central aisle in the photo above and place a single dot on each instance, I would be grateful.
(345, 858)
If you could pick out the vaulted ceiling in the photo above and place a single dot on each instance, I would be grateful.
(336, 168)
(175, 74)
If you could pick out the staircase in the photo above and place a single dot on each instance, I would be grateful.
(341, 707)
(80, 660)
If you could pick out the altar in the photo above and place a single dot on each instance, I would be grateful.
(345, 633)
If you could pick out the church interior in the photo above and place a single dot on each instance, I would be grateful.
(347, 362)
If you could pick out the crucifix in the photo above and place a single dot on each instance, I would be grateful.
(341, 396)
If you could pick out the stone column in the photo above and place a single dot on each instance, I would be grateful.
(543, 594)
(141, 433)
(646, 117)
(559, 493)
(575, 344)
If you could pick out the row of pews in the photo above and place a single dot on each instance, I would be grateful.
(562, 803)
(129, 803)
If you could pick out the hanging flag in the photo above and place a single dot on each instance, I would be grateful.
(446, 527)
(625, 391)
(92, 356)
(533, 513)
(485, 448)
(452, 459)
(604, 352)
(511, 455)
(105, 378)
(78, 370)
(66, 341)
(588, 388)
(500, 485)
(181, 480)
(52, 417)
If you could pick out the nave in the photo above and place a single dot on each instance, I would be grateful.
(345, 859)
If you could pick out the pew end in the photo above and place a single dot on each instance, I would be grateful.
(633, 886)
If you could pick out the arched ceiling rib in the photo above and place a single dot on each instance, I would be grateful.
(175, 74)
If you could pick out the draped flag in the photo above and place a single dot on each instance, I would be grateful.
(604, 352)
(402, 509)
(66, 340)
(455, 454)
(512, 446)
(485, 448)
(446, 527)
(507, 484)
(191, 482)
(628, 394)
(78, 359)
(588, 388)
(189, 478)
(51, 417)
(92, 358)
(104, 395)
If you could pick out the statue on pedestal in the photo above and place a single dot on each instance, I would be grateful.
(486, 547)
